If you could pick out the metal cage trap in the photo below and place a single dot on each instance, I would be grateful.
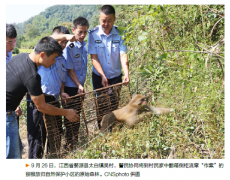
(64, 135)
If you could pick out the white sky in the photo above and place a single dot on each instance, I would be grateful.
(19, 13)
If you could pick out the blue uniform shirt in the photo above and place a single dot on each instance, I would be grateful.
(75, 54)
(108, 49)
(52, 77)
(8, 58)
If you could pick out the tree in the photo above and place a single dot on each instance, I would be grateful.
(94, 21)
(69, 25)
(15, 51)
(20, 38)
(31, 31)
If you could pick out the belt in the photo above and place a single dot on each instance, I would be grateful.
(49, 98)
(48, 95)
(9, 112)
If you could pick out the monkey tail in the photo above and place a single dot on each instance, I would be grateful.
(160, 111)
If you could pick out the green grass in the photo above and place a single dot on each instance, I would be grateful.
(195, 129)
(25, 50)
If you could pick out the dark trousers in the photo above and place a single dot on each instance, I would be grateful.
(36, 131)
(72, 128)
(18, 121)
(103, 107)
(97, 81)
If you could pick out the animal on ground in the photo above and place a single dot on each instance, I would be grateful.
(131, 114)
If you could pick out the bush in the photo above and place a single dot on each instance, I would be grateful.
(15, 51)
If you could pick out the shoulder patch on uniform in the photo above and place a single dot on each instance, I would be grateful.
(71, 45)
(91, 30)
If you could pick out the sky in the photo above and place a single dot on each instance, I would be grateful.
(22, 12)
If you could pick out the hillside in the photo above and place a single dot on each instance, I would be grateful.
(52, 16)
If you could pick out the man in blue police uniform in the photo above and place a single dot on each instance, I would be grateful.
(11, 37)
(76, 65)
(52, 85)
(108, 52)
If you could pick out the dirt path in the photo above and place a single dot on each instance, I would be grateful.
(92, 128)
(23, 136)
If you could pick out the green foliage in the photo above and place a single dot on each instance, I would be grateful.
(15, 51)
(31, 43)
(69, 25)
(195, 129)
(31, 31)
(121, 31)
(165, 45)
(19, 41)
(94, 21)
(23, 106)
(25, 50)
(52, 16)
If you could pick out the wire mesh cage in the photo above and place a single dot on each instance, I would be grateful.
(64, 135)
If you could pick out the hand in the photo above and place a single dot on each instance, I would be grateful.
(72, 115)
(80, 89)
(64, 95)
(126, 79)
(18, 111)
(104, 81)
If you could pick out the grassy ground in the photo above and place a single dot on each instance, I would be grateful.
(23, 136)
(25, 50)
(195, 130)
(23, 128)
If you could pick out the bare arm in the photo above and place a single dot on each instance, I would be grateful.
(42, 106)
(74, 78)
(125, 66)
(62, 87)
(63, 37)
(99, 69)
